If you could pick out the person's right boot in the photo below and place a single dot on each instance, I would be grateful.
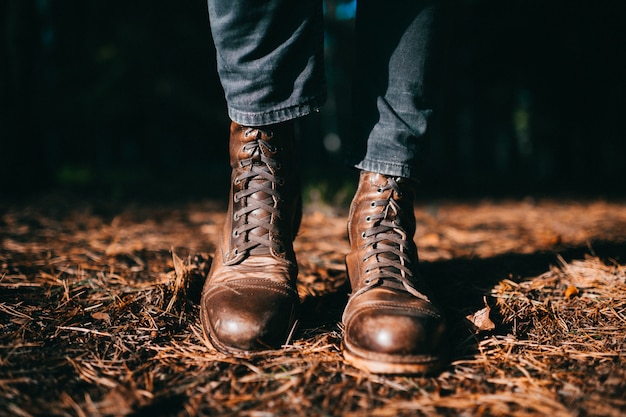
(249, 299)
(391, 325)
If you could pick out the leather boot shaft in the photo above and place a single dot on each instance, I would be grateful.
(265, 205)
(381, 217)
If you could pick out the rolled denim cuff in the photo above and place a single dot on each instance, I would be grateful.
(389, 168)
(281, 113)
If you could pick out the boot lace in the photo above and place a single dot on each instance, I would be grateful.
(390, 245)
(258, 176)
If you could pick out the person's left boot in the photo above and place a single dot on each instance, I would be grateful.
(390, 324)
(249, 300)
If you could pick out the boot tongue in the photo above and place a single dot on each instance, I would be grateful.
(256, 150)
(394, 238)
(392, 220)
(260, 215)
(388, 255)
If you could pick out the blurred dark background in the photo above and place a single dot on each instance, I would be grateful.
(121, 98)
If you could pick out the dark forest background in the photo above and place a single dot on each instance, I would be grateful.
(121, 98)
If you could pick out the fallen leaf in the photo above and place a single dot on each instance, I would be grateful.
(481, 320)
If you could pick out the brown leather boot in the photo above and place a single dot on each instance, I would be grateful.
(390, 324)
(249, 299)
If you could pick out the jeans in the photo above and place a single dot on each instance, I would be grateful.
(270, 64)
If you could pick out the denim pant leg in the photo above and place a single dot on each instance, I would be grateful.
(269, 58)
(392, 104)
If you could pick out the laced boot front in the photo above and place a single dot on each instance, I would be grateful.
(390, 324)
(249, 299)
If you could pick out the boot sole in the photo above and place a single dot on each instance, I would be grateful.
(428, 366)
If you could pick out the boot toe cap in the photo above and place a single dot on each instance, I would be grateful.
(395, 333)
(263, 321)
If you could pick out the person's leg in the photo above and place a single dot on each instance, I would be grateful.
(390, 323)
(270, 65)
(393, 90)
(269, 58)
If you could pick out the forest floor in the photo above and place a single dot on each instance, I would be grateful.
(99, 313)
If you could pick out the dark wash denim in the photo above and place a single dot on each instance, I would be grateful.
(270, 63)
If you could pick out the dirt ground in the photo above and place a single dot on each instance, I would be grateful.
(99, 313)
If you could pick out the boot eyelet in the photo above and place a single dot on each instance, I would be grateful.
(235, 252)
(235, 233)
(368, 219)
(373, 204)
(236, 217)
(237, 181)
(363, 235)
(380, 191)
